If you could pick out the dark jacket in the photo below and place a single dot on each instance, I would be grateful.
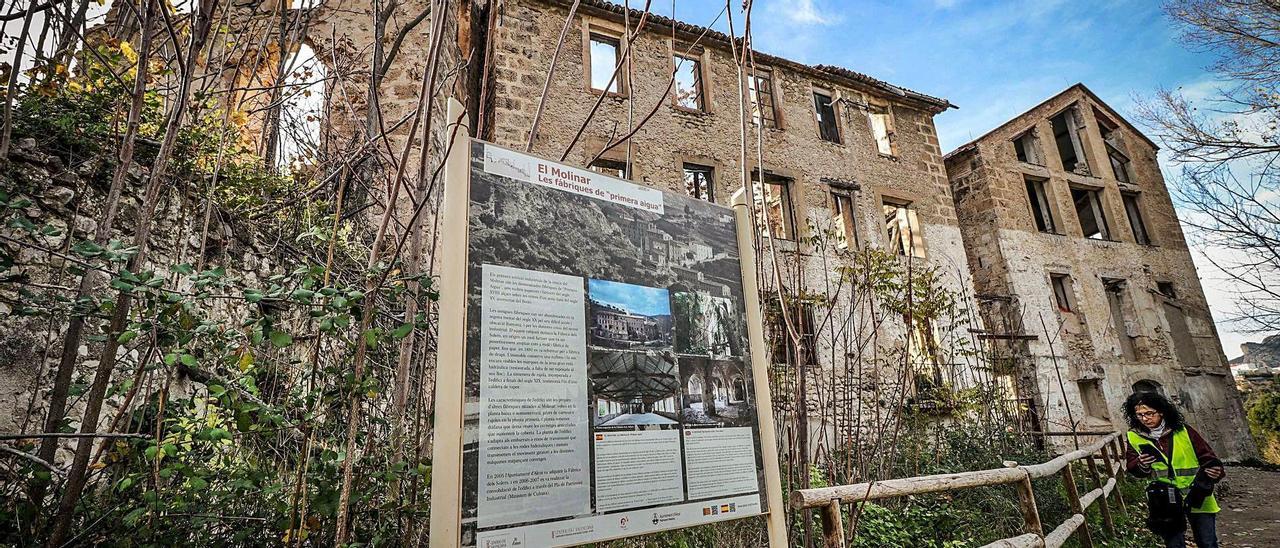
(1203, 452)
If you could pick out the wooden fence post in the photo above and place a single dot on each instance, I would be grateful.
(1027, 501)
(1111, 472)
(832, 525)
(1097, 484)
(1073, 498)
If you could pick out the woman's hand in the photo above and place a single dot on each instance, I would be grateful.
(1216, 472)
(1146, 459)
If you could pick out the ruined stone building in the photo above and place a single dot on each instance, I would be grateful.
(1059, 214)
(849, 161)
(1067, 221)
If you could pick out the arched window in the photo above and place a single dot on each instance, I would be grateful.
(1147, 385)
(739, 389)
(695, 385)
(302, 109)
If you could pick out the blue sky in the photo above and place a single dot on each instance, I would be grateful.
(994, 59)
(638, 299)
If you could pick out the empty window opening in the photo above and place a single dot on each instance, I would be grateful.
(296, 133)
(902, 229)
(782, 345)
(1066, 134)
(1147, 385)
(846, 220)
(1166, 289)
(773, 201)
(604, 60)
(1119, 321)
(688, 83)
(1093, 398)
(1184, 345)
(925, 355)
(612, 168)
(699, 181)
(1134, 212)
(1117, 153)
(1119, 164)
(1040, 210)
(881, 128)
(825, 110)
(1027, 147)
(1093, 223)
(760, 87)
(1062, 295)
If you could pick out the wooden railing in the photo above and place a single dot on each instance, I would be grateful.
(1110, 450)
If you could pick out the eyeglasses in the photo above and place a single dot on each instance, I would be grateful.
(1147, 414)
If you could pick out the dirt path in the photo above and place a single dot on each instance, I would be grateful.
(1250, 515)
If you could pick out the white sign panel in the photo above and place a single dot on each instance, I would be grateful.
(606, 359)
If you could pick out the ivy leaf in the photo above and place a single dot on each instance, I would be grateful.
(252, 295)
(188, 360)
(86, 249)
(281, 339)
(132, 518)
(402, 331)
(126, 337)
(371, 338)
(184, 269)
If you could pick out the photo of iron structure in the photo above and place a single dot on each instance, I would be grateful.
(632, 390)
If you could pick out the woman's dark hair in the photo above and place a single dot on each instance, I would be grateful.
(1172, 417)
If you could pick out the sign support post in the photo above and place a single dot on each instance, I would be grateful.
(777, 522)
(446, 458)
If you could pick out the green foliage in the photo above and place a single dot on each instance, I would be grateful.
(927, 524)
(73, 116)
(1263, 410)
(240, 381)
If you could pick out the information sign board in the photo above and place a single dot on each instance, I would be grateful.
(602, 383)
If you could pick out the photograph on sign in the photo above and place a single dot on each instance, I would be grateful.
(608, 389)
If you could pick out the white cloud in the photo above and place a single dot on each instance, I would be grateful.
(803, 12)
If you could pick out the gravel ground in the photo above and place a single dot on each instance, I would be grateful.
(1250, 515)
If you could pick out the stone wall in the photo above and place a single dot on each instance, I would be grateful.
(1009, 255)
(523, 44)
(66, 204)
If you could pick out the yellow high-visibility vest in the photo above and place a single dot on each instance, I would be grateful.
(1185, 466)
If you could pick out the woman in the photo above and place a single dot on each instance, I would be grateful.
(1158, 437)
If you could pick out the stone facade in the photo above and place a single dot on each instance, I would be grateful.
(815, 170)
(1090, 319)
